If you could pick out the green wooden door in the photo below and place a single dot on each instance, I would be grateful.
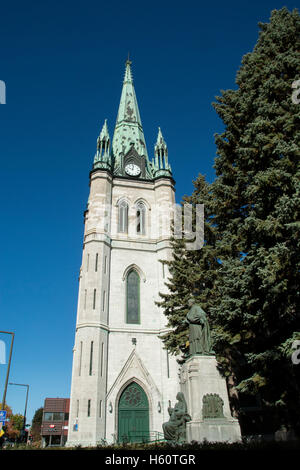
(133, 415)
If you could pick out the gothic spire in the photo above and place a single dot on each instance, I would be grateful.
(128, 130)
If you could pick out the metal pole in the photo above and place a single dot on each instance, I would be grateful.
(8, 367)
(26, 401)
(26, 404)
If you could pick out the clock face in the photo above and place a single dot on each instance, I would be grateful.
(132, 169)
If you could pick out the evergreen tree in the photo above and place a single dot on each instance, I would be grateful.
(35, 430)
(191, 271)
(247, 273)
(257, 201)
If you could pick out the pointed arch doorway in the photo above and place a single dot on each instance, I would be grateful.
(133, 414)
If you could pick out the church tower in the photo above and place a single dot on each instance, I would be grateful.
(122, 377)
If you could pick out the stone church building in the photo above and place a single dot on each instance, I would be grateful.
(122, 377)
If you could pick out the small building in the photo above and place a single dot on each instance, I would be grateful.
(54, 429)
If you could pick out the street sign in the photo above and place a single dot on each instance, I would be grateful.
(3, 415)
(2, 423)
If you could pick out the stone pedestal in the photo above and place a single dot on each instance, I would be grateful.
(205, 391)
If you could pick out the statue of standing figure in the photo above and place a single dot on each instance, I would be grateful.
(175, 428)
(199, 331)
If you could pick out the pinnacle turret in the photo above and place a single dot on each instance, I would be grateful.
(161, 164)
(102, 157)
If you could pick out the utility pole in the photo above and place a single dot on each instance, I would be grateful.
(26, 401)
(8, 367)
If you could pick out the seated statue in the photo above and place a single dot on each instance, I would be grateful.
(175, 428)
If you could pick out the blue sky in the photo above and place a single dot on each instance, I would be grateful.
(63, 65)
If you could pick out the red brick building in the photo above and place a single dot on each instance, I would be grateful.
(55, 422)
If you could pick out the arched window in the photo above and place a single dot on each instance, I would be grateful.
(133, 297)
(140, 218)
(123, 217)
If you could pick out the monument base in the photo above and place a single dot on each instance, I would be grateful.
(213, 431)
(206, 394)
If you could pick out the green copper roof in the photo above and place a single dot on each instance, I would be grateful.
(128, 128)
(160, 164)
(104, 135)
(129, 138)
(102, 157)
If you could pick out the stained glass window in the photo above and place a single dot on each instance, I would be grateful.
(133, 297)
(133, 397)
